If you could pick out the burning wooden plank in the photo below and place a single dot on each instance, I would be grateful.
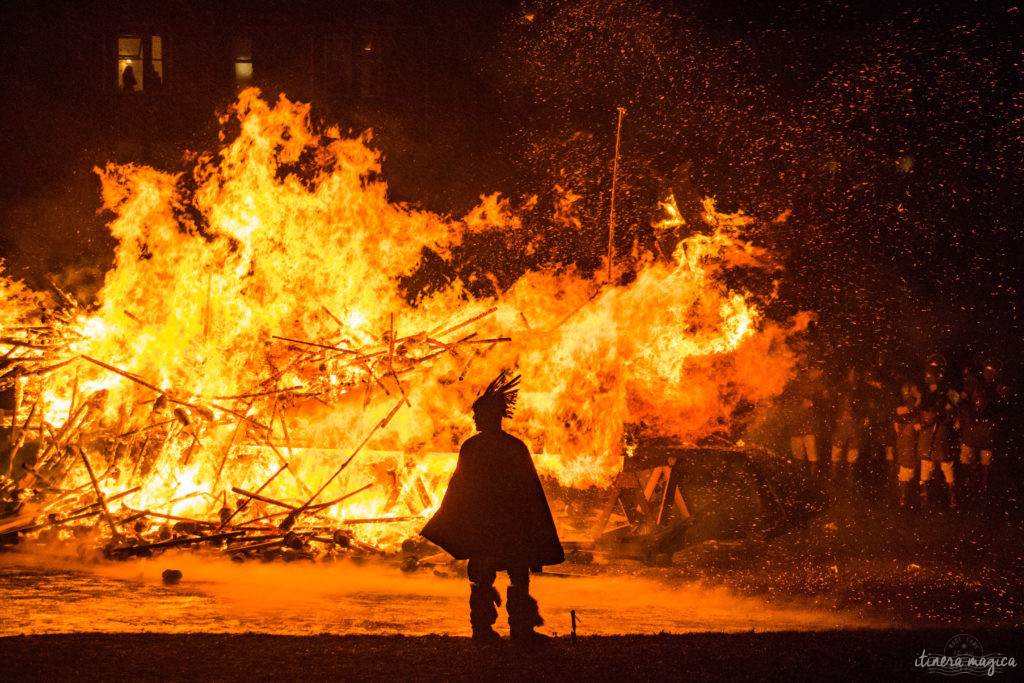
(129, 550)
(260, 394)
(244, 503)
(328, 347)
(290, 519)
(317, 508)
(99, 496)
(263, 499)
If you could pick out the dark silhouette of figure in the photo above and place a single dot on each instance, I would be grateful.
(847, 425)
(879, 407)
(151, 79)
(494, 513)
(803, 398)
(907, 426)
(938, 407)
(128, 81)
(982, 402)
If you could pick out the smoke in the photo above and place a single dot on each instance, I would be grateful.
(61, 595)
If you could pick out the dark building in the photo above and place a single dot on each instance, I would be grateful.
(87, 82)
(180, 61)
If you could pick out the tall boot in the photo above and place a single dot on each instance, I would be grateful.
(951, 486)
(904, 489)
(523, 615)
(968, 480)
(833, 472)
(483, 612)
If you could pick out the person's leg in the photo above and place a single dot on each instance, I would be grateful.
(519, 576)
(969, 472)
(927, 466)
(947, 473)
(986, 462)
(483, 598)
(966, 454)
(904, 477)
(836, 460)
(796, 447)
(852, 456)
(811, 447)
(523, 614)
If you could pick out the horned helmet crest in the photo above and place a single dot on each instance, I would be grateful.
(500, 395)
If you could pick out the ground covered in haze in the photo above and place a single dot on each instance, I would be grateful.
(911, 565)
(862, 563)
(835, 655)
(896, 583)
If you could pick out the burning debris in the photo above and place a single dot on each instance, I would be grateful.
(257, 522)
(252, 377)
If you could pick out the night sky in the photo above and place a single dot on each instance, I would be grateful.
(880, 150)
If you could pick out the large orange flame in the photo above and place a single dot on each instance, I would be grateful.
(215, 273)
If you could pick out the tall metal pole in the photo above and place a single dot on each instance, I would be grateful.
(611, 214)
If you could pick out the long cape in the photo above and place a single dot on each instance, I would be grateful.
(495, 507)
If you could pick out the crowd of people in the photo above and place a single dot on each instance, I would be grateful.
(912, 424)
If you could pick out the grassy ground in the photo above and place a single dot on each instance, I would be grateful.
(789, 656)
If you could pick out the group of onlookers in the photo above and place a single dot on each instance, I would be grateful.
(918, 424)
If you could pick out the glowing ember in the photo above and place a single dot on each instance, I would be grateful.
(253, 318)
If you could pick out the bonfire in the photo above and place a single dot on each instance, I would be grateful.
(253, 379)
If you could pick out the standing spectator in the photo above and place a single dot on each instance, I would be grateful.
(980, 403)
(805, 395)
(933, 450)
(937, 414)
(128, 80)
(906, 427)
(847, 424)
(151, 78)
(880, 400)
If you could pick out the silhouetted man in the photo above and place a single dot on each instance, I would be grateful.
(982, 402)
(938, 407)
(495, 514)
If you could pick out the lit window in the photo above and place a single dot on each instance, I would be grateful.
(129, 63)
(140, 63)
(243, 61)
(154, 71)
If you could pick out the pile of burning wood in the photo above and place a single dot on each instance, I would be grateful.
(170, 414)
(103, 482)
